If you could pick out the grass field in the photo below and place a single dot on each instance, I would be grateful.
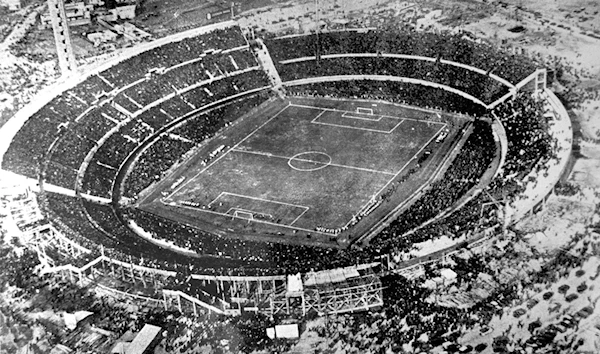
(306, 167)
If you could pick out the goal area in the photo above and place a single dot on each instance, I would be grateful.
(243, 215)
(362, 110)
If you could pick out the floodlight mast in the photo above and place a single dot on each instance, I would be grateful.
(62, 37)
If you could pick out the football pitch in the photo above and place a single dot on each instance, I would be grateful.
(306, 168)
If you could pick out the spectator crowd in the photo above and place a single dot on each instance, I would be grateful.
(475, 84)
(457, 47)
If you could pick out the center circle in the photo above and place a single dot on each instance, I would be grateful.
(309, 161)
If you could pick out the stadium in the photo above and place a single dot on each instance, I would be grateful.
(216, 161)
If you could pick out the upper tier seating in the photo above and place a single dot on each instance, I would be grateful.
(477, 85)
(454, 47)
(393, 91)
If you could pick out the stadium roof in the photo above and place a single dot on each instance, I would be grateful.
(283, 331)
(294, 283)
(448, 274)
(143, 340)
(336, 275)
(72, 319)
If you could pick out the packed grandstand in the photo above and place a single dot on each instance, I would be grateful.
(119, 130)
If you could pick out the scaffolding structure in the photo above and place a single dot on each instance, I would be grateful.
(351, 289)
(341, 290)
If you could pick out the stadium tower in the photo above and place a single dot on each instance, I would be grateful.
(64, 49)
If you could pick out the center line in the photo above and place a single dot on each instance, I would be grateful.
(331, 164)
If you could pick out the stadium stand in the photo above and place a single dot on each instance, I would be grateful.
(25, 158)
(457, 47)
(60, 175)
(29, 147)
(156, 118)
(173, 54)
(527, 133)
(67, 214)
(478, 85)
(71, 149)
(94, 125)
(398, 92)
(529, 147)
(200, 71)
(98, 179)
(91, 89)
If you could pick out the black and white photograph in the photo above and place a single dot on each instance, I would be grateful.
(299, 177)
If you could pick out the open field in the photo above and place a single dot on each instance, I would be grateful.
(307, 166)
